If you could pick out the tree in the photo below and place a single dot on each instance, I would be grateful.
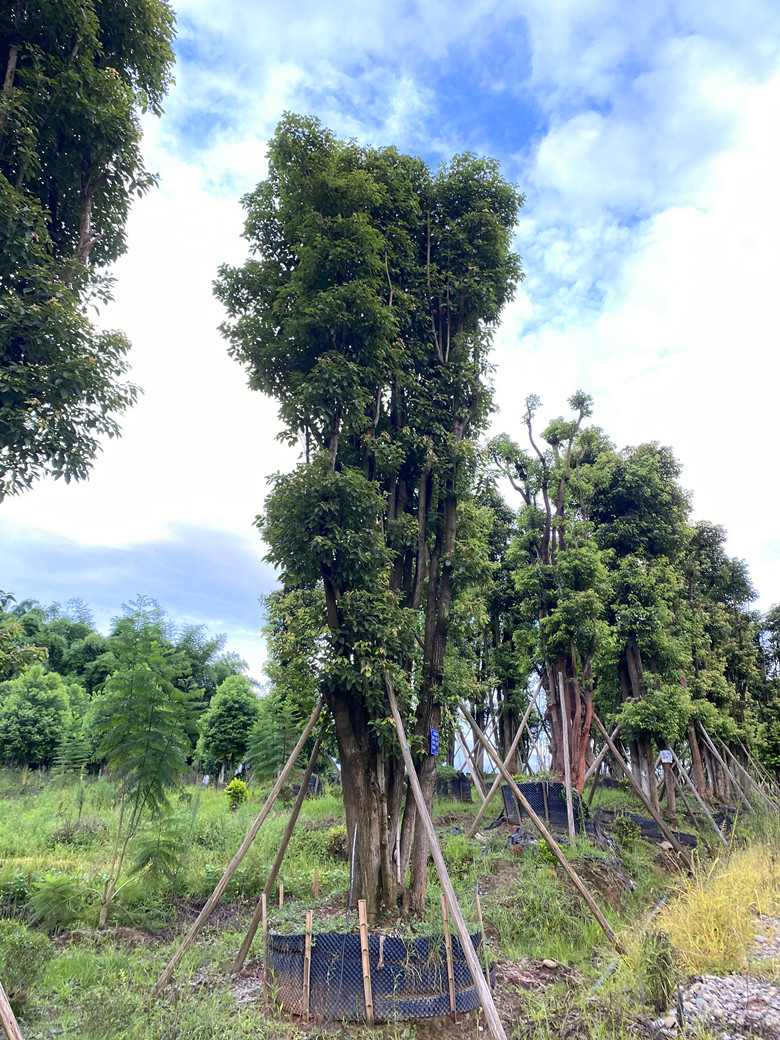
(76, 76)
(144, 720)
(34, 714)
(226, 724)
(365, 310)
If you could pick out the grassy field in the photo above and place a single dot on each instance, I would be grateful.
(70, 980)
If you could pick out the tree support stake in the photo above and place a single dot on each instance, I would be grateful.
(222, 884)
(553, 844)
(483, 989)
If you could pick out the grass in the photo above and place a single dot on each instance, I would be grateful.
(96, 985)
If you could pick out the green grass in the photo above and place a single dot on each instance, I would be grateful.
(97, 985)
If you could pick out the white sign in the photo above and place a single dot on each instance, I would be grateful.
(667, 758)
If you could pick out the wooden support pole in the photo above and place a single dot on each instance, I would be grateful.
(593, 767)
(423, 816)
(745, 801)
(700, 800)
(472, 768)
(10, 1025)
(281, 894)
(448, 947)
(566, 762)
(507, 762)
(243, 953)
(670, 836)
(554, 846)
(222, 884)
(366, 962)
(762, 770)
(484, 937)
(772, 806)
(264, 913)
(306, 1001)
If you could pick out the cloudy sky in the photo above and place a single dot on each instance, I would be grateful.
(646, 138)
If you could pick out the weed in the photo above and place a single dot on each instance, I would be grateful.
(23, 956)
(236, 793)
(56, 900)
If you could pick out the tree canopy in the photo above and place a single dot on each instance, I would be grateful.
(76, 77)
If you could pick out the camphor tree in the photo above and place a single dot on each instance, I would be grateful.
(365, 311)
(75, 76)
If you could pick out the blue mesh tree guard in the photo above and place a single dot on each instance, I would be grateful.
(408, 976)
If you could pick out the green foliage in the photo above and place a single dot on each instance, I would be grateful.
(226, 724)
(625, 831)
(236, 793)
(23, 958)
(273, 736)
(337, 842)
(34, 711)
(77, 75)
(658, 972)
(56, 900)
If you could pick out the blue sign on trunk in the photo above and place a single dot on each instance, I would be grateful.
(434, 742)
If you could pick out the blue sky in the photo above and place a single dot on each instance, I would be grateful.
(647, 140)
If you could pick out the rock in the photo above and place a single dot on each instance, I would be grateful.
(670, 1022)
(667, 845)
(549, 963)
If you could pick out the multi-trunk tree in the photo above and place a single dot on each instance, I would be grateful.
(365, 311)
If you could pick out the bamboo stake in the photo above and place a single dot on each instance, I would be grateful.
(448, 947)
(554, 847)
(729, 774)
(316, 882)
(472, 768)
(772, 781)
(699, 799)
(566, 762)
(222, 884)
(770, 804)
(484, 937)
(264, 912)
(307, 969)
(600, 757)
(10, 1025)
(483, 989)
(366, 962)
(281, 894)
(673, 840)
(271, 881)
(496, 783)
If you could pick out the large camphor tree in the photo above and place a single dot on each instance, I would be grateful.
(75, 76)
(365, 310)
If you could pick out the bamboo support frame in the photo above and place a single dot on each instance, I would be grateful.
(667, 833)
(423, 816)
(484, 936)
(366, 962)
(745, 801)
(445, 917)
(767, 800)
(478, 783)
(246, 945)
(222, 884)
(593, 767)
(699, 800)
(9, 1023)
(566, 762)
(554, 846)
(306, 999)
(513, 749)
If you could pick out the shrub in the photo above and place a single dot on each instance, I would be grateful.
(337, 842)
(236, 793)
(625, 831)
(23, 956)
(56, 900)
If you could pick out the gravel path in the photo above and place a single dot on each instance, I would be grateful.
(735, 1007)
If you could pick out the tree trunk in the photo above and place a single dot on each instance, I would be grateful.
(372, 788)
(698, 769)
